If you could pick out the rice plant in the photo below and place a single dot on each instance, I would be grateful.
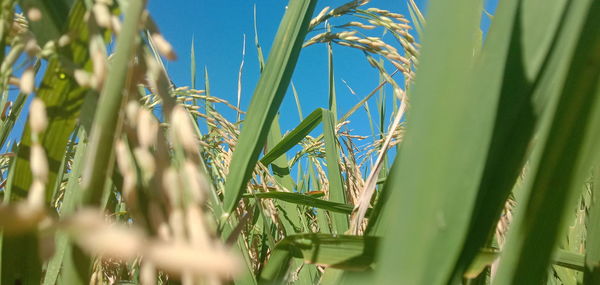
(119, 177)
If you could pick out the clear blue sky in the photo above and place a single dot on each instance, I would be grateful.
(218, 27)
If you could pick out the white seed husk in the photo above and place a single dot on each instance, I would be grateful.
(102, 15)
(131, 112)
(38, 119)
(82, 77)
(27, 81)
(195, 182)
(183, 129)
(36, 197)
(181, 258)
(147, 128)
(64, 40)
(39, 163)
(34, 14)
(163, 46)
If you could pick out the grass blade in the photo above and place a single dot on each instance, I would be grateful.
(267, 98)
(337, 192)
(337, 251)
(281, 171)
(293, 137)
(306, 200)
(193, 65)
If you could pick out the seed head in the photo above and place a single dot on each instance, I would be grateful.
(34, 14)
(195, 181)
(163, 46)
(39, 163)
(182, 127)
(102, 15)
(36, 197)
(38, 120)
(174, 258)
(82, 77)
(64, 40)
(147, 128)
(27, 81)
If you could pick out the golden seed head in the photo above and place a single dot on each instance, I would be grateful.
(323, 12)
(344, 35)
(352, 38)
(364, 41)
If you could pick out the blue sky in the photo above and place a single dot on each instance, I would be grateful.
(218, 28)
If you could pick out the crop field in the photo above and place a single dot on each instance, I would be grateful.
(482, 165)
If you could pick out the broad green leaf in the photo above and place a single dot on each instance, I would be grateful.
(561, 160)
(517, 79)
(569, 260)
(337, 251)
(434, 179)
